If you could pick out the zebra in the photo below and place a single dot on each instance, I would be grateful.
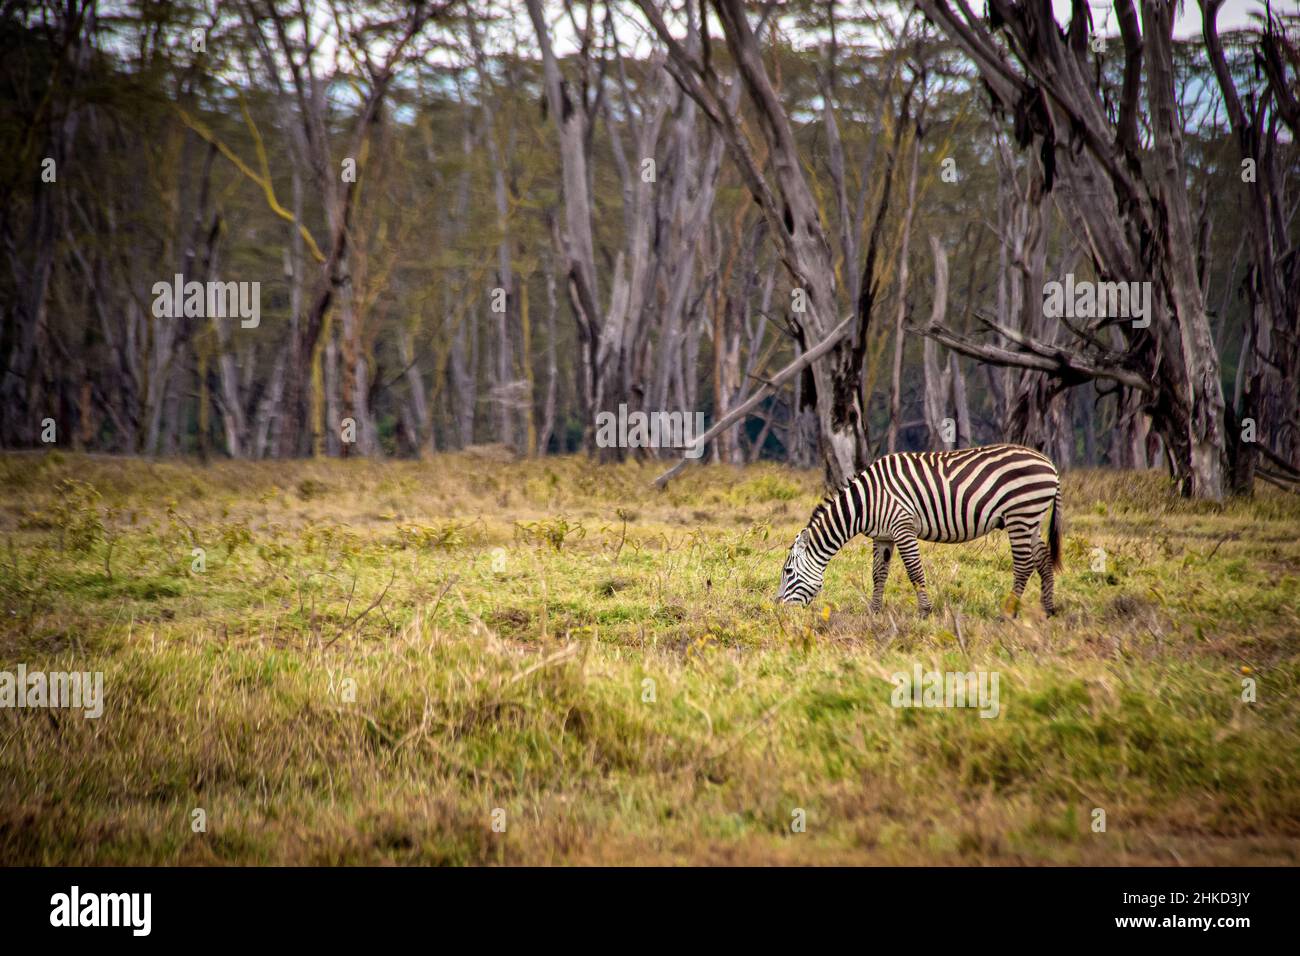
(934, 496)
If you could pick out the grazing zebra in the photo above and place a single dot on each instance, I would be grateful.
(934, 496)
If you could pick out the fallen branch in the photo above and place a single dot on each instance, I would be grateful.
(356, 620)
(565, 653)
(1287, 470)
(1279, 480)
(794, 368)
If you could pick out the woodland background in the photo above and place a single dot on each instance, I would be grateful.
(652, 186)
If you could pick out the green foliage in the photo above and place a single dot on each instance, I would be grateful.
(766, 487)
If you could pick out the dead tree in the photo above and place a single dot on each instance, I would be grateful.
(1133, 215)
(289, 39)
(1263, 420)
(607, 328)
(833, 387)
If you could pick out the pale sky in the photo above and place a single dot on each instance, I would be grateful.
(515, 29)
(1233, 15)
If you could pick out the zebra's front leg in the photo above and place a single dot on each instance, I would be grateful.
(882, 549)
(910, 553)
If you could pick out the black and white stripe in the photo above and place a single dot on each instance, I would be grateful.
(935, 496)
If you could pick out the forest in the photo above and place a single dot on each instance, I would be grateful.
(481, 223)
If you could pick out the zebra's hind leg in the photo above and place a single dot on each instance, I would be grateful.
(910, 553)
(1046, 576)
(1024, 539)
(881, 551)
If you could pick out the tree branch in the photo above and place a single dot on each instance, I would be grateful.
(1057, 362)
(768, 387)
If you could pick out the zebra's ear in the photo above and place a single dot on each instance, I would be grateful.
(801, 539)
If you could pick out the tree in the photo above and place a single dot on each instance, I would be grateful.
(1136, 212)
(1263, 419)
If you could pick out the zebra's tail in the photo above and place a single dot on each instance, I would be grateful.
(1054, 532)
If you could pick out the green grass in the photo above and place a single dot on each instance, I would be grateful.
(375, 657)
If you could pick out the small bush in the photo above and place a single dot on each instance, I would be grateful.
(74, 515)
(310, 488)
(442, 535)
(553, 532)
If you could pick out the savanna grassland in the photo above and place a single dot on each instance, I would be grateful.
(366, 660)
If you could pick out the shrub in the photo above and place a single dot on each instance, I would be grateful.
(74, 515)
(553, 532)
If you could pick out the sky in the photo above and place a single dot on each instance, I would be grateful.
(1233, 14)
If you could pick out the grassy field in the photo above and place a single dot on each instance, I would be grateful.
(390, 663)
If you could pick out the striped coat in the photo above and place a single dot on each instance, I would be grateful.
(935, 496)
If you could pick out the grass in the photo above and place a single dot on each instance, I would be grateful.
(377, 662)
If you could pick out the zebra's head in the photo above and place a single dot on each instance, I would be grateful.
(801, 577)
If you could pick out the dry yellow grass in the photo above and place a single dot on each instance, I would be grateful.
(378, 656)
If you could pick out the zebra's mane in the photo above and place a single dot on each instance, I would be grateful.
(825, 504)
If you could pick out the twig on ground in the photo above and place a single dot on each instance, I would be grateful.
(373, 604)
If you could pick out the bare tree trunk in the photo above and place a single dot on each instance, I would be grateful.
(937, 383)
(552, 369)
(960, 401)
(1207, 450)
(578, 247)
(269, 410)
(795, 223)
(503, 309)
(334, 402)
(900, 317)
(1269, 363)
(422, 439)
